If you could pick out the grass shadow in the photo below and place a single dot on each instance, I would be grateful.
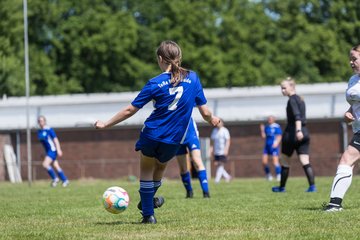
(115, 223)
(320, 209)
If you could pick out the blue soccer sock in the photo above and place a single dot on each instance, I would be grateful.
(267, 169)
(278, 169)
(203, 181)
(51, 173)
(146, 195)
(62, 175)
(157, 184)
(186, 179)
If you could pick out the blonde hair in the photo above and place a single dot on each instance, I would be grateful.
(42, 116)
(356, 48)
(290, 81)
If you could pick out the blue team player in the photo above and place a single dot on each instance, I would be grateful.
(49, 140)
(271, 132)
(174, 94)
(192, 145)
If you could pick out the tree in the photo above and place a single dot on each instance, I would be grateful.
(11, 48)
(90, 46)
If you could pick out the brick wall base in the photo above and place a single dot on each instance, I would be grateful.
(90, 153)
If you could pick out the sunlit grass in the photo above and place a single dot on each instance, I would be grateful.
(241, 209)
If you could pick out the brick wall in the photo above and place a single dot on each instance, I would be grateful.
(90, 153)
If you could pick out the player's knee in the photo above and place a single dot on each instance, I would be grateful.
(160, 167)
(284, 162)
(349, 158)
(304, 158)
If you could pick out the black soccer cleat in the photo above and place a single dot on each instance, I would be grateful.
(332, 207)
(189, 194)
(206, 195)
(149, 220)
(158, 202)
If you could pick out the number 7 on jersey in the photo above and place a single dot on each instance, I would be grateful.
(178, 91)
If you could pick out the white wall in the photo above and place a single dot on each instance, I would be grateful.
(326, 100)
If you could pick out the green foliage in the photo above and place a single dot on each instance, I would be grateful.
(241, 209)
(11, 48)
(108, 45)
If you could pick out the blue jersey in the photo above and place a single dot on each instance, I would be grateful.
(169, 120)
(271, 131)
(46, 137)
(192, 141)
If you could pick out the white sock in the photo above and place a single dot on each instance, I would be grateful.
(226, 174)
(342, 181)
(219, 171)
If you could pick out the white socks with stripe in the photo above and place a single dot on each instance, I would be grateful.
(342, 181)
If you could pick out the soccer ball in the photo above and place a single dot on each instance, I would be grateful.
(115, 200)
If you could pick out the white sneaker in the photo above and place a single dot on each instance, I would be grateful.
(54, 182)
(66, 183)
(278, 177)
(269, 177)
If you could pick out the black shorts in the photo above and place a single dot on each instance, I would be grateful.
(355, 141)
(290, 143)
(220, 158)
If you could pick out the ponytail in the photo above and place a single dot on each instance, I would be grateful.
(177, 73)
(171, 54)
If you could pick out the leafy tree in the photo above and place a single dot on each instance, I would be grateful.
(11, 48)
(87, 46)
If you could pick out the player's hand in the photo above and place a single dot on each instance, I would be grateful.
(299, 135)
(215, 121)
(99, 124)
(348, 117)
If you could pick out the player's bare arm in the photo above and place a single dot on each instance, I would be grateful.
(207, 115)
(348, 116)
(119, 117)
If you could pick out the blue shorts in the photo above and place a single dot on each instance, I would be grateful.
(269, 150)
(159, 150)
(52, 155)
(191, 145)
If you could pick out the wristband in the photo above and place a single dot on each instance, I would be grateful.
(299, 130)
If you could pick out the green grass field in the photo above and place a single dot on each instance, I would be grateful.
(241, 209)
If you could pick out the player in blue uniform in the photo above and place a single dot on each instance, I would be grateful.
(271, 132)
(192, 146)
(174, 94)
(49, 140)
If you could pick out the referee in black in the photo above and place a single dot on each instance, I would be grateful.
(295, 137)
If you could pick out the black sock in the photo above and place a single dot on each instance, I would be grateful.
(336, 200)
(309, 174)
(284, 175)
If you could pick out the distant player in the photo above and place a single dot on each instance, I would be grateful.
(49, 140)
(192, 146)
(295, 137)
(174, 94)
(271, 132)
(220, 145)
